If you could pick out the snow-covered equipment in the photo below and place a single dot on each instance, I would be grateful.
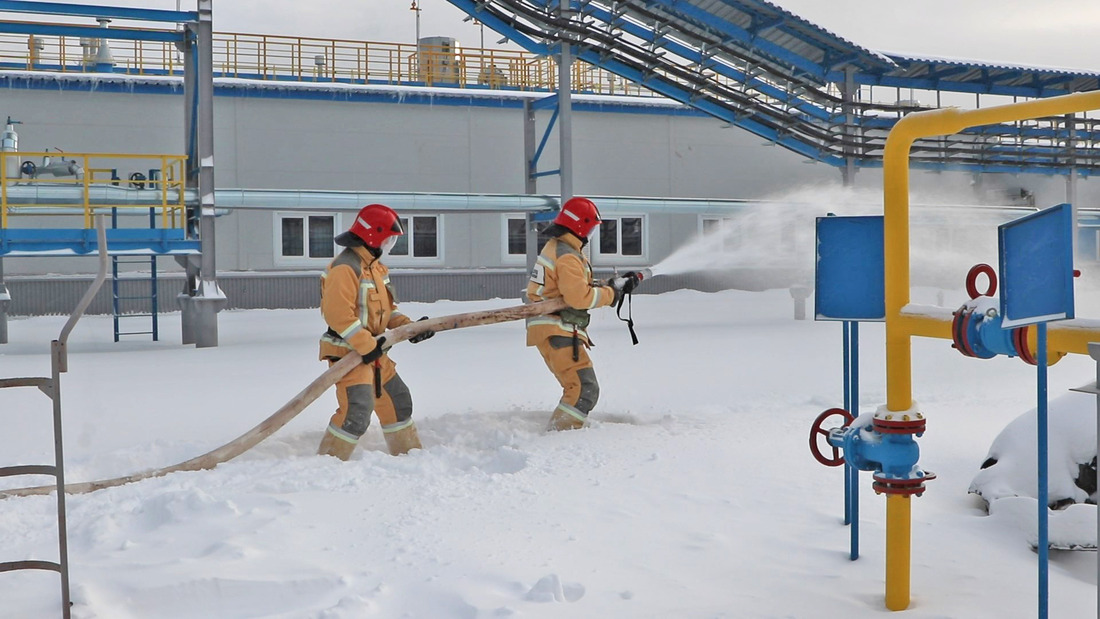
(306, 396)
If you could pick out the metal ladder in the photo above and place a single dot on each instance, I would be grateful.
(51, 386)
(119, 300)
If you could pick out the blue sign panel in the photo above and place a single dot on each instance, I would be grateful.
(1036, 257)
(850, 275)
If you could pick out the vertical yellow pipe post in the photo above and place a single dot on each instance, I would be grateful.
(899, 385)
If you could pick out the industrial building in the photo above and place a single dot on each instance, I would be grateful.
(675, 137)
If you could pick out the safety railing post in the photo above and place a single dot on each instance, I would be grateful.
(52, 388)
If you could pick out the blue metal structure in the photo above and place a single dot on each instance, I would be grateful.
(201, 299)
(759, 67)
(1036, 258)
(849, 283)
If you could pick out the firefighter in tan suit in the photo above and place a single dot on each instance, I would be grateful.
(358, 304)
(562, 270)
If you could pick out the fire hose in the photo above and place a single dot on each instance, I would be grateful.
(305, 397)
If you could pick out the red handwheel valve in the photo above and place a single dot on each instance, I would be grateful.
(817, 429)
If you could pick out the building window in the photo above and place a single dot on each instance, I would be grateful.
(729, 234)
(515, 236)
(621, 236)
(421, 238)
(306, 237)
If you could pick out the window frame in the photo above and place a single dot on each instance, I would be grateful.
(419, 261)
(723, 221)
(617, 258)
(305, 260)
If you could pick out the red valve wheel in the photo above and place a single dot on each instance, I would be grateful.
(817, 430)
(972, 280)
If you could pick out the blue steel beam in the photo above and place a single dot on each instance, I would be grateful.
(474, 9)
(674, 92)
(93, 32)
(736, 33)
(707, 61)
(810, 147)
(89, 10)
(678, 93)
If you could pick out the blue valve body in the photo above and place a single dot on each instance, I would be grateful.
(894, 455)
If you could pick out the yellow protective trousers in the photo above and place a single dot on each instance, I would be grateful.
(357, 397)
(580, 390)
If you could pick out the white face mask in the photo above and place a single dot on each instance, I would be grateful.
(388, 244)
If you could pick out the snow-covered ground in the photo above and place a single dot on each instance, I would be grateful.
(691, 495)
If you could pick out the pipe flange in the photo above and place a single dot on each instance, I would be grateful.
(1019, 341)
(900, 423)
(910, 486)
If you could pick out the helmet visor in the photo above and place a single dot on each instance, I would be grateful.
(388, 244)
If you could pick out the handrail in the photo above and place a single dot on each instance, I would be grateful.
(77, 172)
(86, 300)
(312, 59)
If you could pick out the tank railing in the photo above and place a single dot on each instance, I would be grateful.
(90, 172)
(307, 59)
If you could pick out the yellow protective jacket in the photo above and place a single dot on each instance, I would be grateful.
(563, 271)
(357, 303)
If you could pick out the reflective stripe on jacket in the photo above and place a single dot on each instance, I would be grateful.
(563, 271)
(357, 302)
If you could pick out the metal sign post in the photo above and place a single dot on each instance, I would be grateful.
(849, 285)
(1036, 259)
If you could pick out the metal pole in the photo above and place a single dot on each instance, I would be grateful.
(848, 97)
(208, 299)
(529, 181)
(5, 299)
(848, 407)
(1041, 439)
(1094, 352)
(190, 181)
(1071, 178)
(853, 471)
(59, 363)
(565, 114)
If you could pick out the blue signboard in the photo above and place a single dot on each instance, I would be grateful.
(1036, 258)
(850, 280)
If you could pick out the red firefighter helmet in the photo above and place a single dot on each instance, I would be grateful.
(373, 225)
(579, 215)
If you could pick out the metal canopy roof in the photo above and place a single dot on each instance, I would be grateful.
(766, 70)
(951, 75)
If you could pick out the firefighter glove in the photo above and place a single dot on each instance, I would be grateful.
(630, 282)
(373, 355)
(416, 339)
(618, 294)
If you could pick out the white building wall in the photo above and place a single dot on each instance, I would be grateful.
(412, 144)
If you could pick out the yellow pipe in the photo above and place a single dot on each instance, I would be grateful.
(899, 329)
(897, 551)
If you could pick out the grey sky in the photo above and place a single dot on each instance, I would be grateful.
(1054, 33)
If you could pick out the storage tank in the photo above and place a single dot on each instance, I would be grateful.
(439, 60)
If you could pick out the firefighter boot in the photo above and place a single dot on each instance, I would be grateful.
(401, 438)
(563, 419)
(332, 445)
